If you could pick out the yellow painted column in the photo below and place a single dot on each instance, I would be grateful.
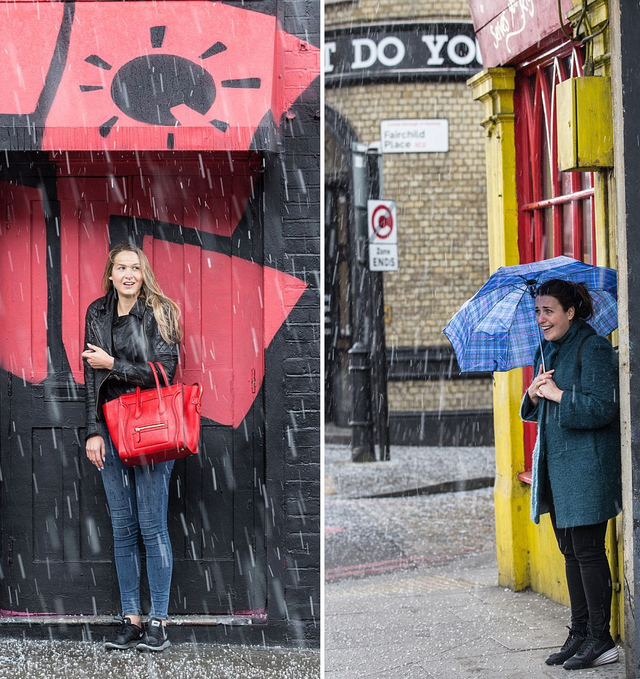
(494, 88)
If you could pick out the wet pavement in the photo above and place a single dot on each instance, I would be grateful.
(411, 581)
(409, 470)
(28, 659)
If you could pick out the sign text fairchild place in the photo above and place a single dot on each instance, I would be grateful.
(414, 136)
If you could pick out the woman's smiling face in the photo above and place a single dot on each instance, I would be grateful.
(553, 320)
(126, 274)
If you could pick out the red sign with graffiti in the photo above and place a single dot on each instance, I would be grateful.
(147, 75)
(506, 29)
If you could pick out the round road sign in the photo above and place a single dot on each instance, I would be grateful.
(382, 222)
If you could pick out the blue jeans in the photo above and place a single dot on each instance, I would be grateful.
(138, 499)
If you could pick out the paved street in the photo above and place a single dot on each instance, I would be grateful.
(411, 581)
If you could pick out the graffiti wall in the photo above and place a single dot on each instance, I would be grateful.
(147, 75)
(191, 129)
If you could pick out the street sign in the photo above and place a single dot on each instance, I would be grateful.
(382, 221)
(429, 135)
(383, 235)
(383, 257)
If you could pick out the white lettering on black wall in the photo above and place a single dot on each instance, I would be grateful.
(420, 50)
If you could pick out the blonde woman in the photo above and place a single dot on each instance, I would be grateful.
(133, 323)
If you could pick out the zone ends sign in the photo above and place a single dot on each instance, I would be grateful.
(383, 235)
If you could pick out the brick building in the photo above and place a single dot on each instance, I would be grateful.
(388, 62)
(191, 128)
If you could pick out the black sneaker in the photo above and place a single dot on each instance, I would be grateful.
(569, 648)
(155, 638)
(127, 636)
(592, 653)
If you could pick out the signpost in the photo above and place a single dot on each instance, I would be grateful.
(383, 235)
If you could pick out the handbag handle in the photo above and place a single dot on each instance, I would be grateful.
(161, 369)
(154, 371)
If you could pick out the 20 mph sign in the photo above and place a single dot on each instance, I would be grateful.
(383, 235)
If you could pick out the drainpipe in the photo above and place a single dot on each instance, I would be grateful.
(625, 62)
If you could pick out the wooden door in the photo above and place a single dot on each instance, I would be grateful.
(56, 551)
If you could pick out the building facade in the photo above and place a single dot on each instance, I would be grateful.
(395, 85)
(191, 129)
(549, 193)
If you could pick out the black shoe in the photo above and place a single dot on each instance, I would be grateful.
(569, 648)
(155, 638)
(592, 653)
(127, 636)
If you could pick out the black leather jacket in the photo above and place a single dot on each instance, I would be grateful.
(150, 345)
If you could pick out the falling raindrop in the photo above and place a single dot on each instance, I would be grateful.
(21, 566)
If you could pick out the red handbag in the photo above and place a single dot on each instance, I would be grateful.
(155, 425)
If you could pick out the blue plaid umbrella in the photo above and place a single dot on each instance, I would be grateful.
(496, 329)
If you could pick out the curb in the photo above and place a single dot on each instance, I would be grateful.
(444, 487)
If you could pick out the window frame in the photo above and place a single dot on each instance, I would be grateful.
(536, 115)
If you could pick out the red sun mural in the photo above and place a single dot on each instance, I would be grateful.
(175, 75)
(151, 75)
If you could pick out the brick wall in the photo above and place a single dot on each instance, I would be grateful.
(442, 233)
(342, 13)
(440, 395)
(441, 203)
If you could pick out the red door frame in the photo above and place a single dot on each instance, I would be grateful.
(535, 117)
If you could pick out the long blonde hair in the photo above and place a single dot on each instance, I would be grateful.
(165, 310)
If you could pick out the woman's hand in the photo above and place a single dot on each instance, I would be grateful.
(98, 358)
(549, 389)
(541, 379)
(96, 451)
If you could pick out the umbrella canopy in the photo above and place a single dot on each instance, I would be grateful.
(496, 329)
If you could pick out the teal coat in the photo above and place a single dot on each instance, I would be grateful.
(578, 443)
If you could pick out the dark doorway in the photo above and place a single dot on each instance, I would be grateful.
(201, 224)
(338, 332)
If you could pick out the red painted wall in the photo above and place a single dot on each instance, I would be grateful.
(245, 302)
(148, 75)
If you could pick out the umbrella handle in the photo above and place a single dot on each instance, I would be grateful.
(544, 368)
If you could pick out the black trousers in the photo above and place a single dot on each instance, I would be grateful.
(588, 576)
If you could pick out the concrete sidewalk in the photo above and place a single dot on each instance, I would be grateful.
(29, 659)
(432, 608)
